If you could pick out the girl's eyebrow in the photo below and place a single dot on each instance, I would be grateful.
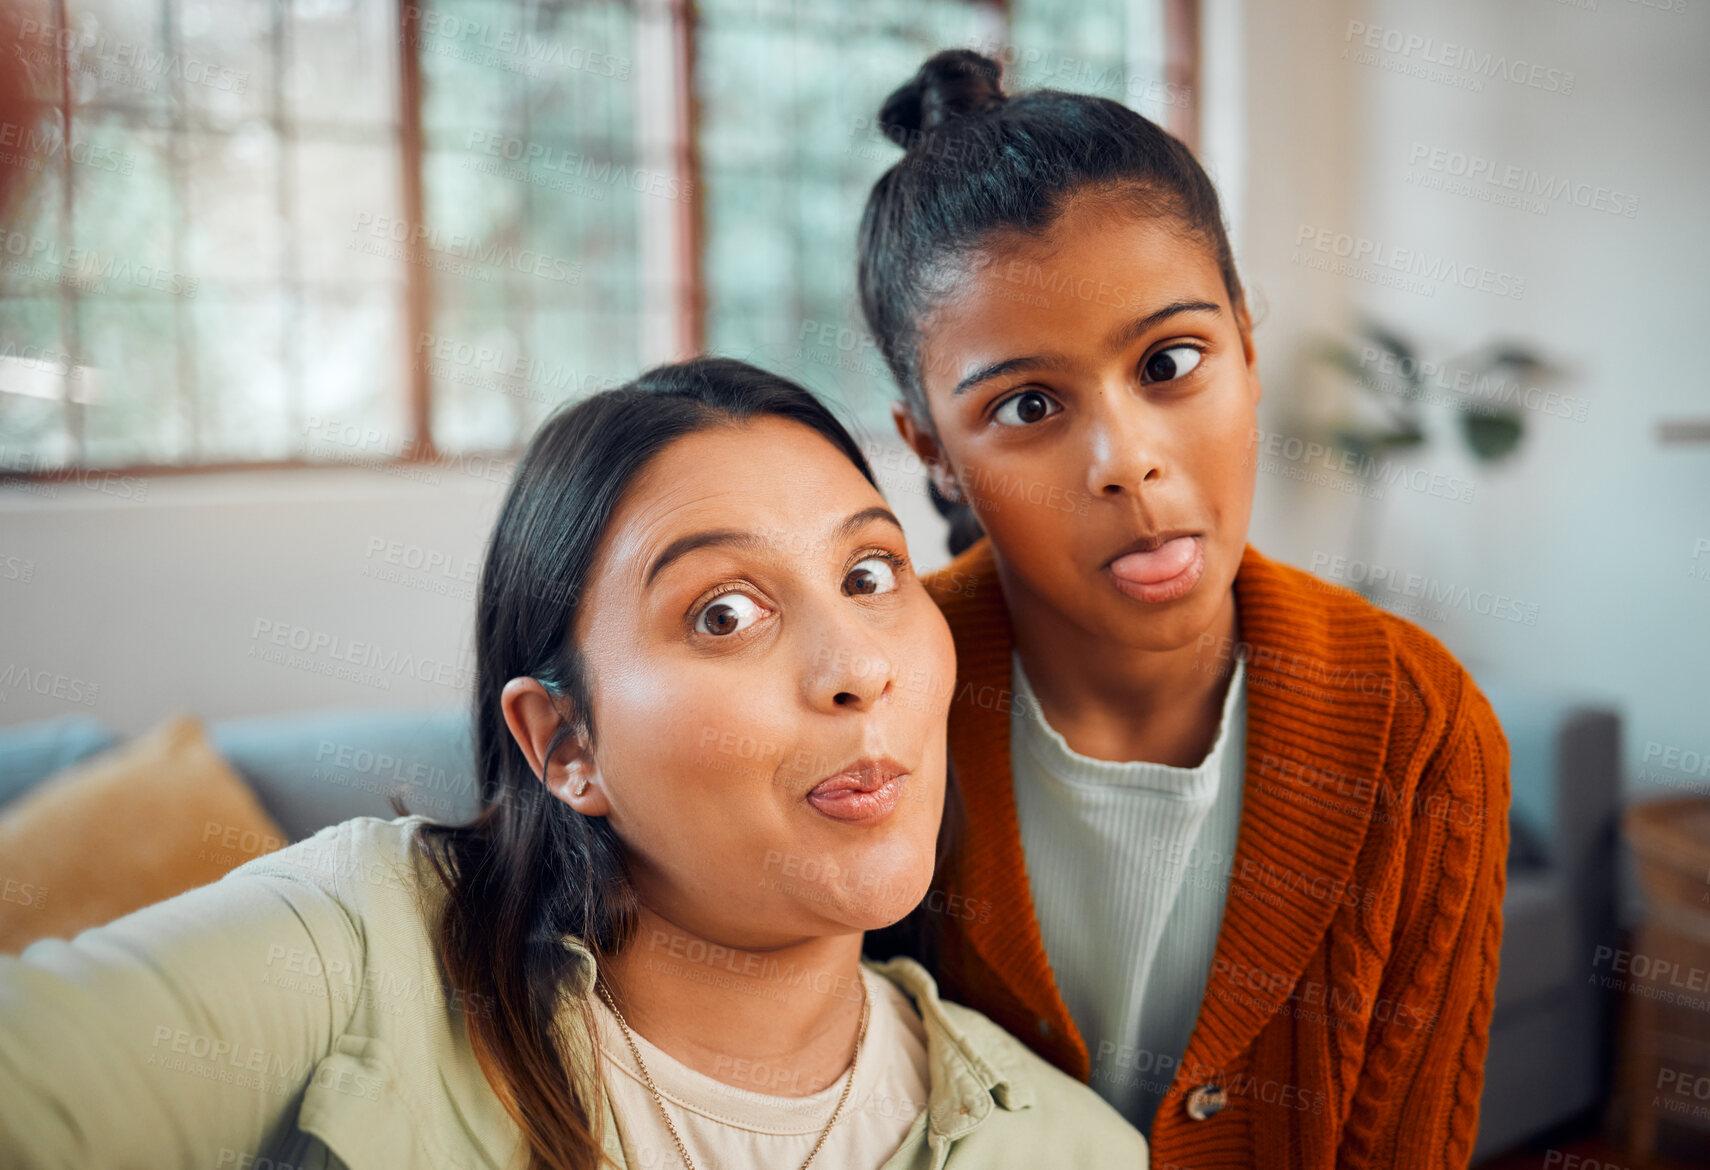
(998, 369)
(1123, 336)
(1134, 329)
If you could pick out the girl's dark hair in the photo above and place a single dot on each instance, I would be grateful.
(529, 870)
(978, 162)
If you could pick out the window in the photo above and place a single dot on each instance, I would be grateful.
(176, 289)
(303, 231)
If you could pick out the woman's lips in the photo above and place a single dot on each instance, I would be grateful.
(1160, 574)
(866, 791)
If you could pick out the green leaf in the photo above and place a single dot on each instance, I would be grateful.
(1491, 436)
(1336, 354)
(1371, 444)
(1406, 364)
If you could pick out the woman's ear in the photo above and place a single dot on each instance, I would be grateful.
(571, 774)
(924, 444)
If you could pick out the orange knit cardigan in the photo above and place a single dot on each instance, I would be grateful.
(1348, 1009)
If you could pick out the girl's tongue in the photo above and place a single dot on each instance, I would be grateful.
(1148, 568)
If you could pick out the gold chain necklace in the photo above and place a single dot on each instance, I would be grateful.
(688, 1162)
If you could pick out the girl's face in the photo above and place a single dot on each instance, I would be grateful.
(1093, 393)
(770, 686)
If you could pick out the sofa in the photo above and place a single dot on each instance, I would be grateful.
(1549, 1042)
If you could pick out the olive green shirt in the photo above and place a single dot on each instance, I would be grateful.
(296, 1010)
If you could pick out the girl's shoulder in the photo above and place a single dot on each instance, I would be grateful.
(1312, 626)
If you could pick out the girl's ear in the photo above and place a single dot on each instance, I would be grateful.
(924, 444)
(561, 759)
(1249, 352)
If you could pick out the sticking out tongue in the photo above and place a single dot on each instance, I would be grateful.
(1148, 568)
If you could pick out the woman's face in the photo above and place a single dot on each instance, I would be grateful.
(1093, 394)
(770, 684)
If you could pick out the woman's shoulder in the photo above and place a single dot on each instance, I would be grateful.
(1004, 1104)
(363, 862)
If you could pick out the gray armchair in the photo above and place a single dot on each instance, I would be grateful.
(1550, 1049)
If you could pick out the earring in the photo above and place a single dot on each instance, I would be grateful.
(580, 787)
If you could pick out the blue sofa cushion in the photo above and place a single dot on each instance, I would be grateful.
(317, 768)
(31, 752)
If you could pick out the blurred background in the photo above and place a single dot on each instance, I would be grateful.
(286, 284)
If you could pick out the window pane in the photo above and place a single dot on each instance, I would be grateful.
(116, 54)
(225, 55)
(350, 375)
(788, 154)
(33, 361)
(532, 195)
(140, 417)
(344, 65)
(241, 401)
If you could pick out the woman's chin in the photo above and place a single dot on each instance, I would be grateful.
(871, 910)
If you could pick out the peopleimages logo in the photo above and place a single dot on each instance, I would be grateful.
(1363, 256)
(1278, 452)
(1412, 48)
(409, 237)
(1529, 185)
(1448, 594)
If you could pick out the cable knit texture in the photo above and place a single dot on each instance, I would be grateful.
(1349, 1004)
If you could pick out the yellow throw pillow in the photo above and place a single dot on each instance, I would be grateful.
(131, 827)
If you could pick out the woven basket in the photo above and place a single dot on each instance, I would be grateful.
(1671, 844)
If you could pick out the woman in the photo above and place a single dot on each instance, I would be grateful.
(1241, 835)
(710, 725)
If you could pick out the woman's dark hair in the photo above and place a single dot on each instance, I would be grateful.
(529, 870)
(977, 163)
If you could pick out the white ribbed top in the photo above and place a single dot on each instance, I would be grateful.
(1128, 864)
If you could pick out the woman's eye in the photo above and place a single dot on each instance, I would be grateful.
(728, 614)
(1026, 408)
(1168, 364)
(873, 575)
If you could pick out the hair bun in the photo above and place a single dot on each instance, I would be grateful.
(951, 84)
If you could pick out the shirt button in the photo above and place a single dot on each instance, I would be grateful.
(1206, 1100)
(1044, 1027)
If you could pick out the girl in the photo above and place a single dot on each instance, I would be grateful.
(710, 726)
(1236, 839)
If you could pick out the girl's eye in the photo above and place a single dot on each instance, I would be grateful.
(1026, 408)
(1171, 363)
(873, 575)
(728, 614)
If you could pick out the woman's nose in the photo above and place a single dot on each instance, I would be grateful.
(848, 674)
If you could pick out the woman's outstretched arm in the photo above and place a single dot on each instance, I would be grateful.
(180, 1035)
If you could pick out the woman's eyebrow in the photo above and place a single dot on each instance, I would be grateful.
(1120, 338)
(736, 538)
